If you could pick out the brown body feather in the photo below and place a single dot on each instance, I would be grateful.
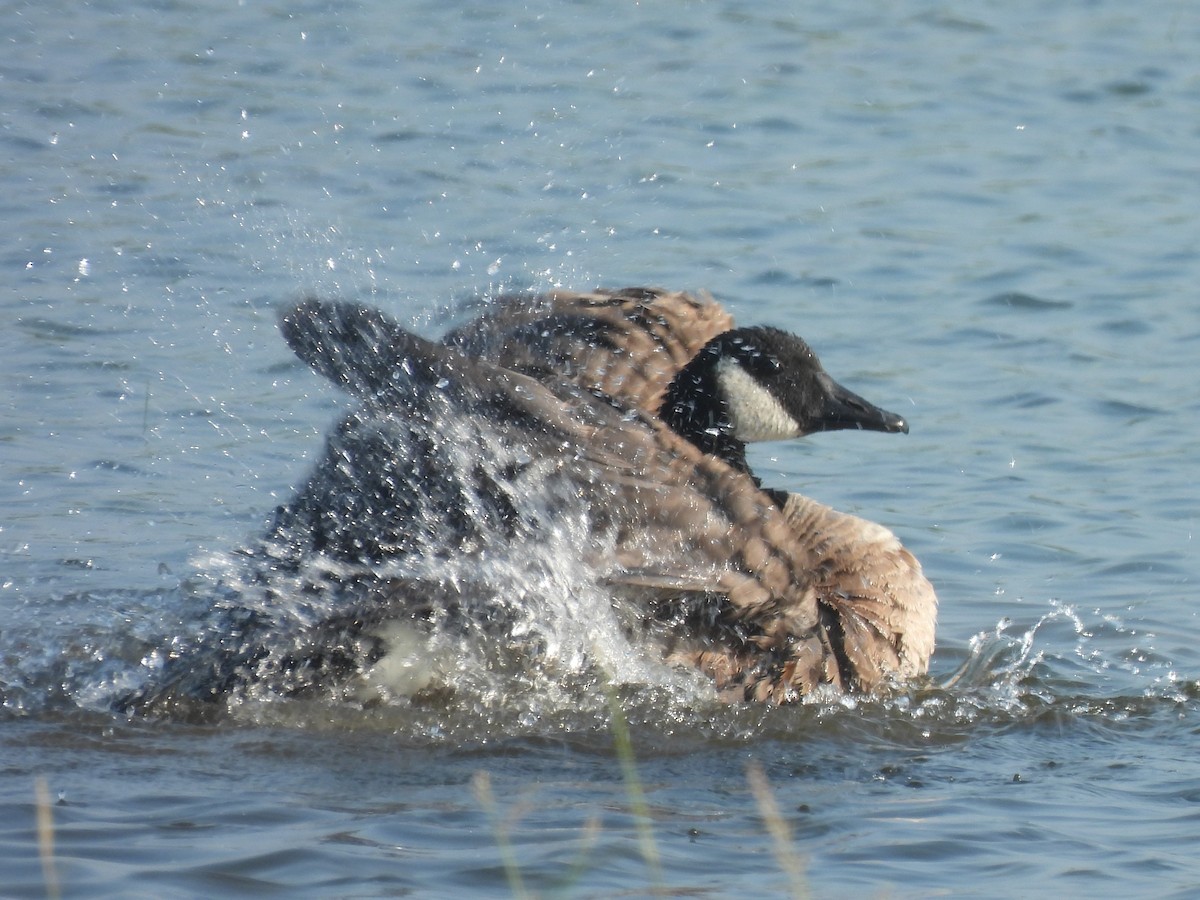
(627, 344)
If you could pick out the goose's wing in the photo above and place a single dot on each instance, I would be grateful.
(626, 344)
(728, 582)
(683, 516)
(360, 349)
(371, 356)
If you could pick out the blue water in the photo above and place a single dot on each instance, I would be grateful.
(983, 216)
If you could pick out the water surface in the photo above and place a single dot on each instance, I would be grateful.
(982, 217)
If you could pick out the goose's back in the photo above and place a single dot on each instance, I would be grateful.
(627, 344)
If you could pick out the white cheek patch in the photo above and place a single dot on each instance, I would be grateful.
(756, 414)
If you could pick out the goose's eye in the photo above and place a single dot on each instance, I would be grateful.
(758, 363)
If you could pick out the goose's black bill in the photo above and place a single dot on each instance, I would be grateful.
(843, 409)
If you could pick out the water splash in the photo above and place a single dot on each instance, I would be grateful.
(462, 589)
(540, 657)
(1065, 663)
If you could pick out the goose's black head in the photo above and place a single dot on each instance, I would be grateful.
(762, 384)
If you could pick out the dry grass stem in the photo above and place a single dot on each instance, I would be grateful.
(777, 827)
(45, 836)
(633, 787)
(481, 783)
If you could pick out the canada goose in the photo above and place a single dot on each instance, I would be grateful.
(766, 601)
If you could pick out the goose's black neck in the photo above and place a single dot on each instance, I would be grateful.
(694, 408)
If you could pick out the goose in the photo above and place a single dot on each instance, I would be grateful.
(770, 602)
